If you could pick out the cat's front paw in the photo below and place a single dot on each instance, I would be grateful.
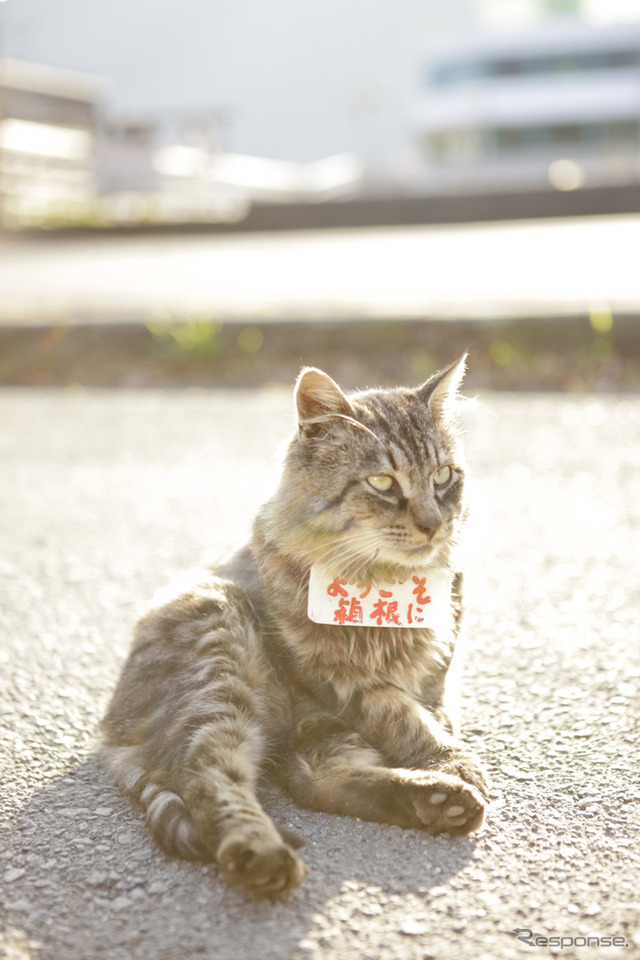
(468, 767)
(264, 867)
(446, 804)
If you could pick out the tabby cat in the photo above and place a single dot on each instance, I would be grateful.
(335, 688)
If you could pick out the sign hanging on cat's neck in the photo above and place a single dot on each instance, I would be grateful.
(421, 601)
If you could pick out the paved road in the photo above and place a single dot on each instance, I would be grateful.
(533, 268)
(104, 495)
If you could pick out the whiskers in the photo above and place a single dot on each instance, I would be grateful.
(300, 597)
(353, 554)
(349, 555)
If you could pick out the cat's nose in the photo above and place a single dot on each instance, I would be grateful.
(427, 518)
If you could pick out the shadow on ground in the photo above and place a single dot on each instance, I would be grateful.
(94, 885)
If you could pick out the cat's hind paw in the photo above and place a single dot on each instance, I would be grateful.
(446, 804)
(264, 867)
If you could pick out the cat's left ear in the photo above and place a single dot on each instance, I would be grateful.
(441, 390)
(319, 398)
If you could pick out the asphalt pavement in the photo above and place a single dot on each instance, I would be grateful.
(105, 496)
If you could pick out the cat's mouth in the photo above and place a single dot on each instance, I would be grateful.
(359, 552)
(408, 554)
(410, 550)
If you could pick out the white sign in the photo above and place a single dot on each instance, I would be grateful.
(422, 600)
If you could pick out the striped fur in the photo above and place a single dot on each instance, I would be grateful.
(230, 681)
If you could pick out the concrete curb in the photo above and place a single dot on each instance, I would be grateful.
(395, 211)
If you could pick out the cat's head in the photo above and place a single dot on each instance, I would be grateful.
(373, 481)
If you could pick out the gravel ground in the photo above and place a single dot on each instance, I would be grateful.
(104, 496)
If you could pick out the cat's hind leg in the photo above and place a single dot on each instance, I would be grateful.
(334, 770)
(223, 806)
(186, 735)
(217, 817)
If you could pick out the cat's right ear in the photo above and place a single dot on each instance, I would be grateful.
(318, 399)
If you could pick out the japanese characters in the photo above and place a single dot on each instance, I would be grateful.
(423, 600)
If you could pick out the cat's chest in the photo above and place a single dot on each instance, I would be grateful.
(350, 656)
(355, 658)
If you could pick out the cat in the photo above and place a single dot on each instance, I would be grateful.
(232, 680)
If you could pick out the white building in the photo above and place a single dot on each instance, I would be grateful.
(556, 105)
(47, 142)
(293, 81)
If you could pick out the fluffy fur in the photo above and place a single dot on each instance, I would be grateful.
(231, 679)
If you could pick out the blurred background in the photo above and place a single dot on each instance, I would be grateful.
(193, 166)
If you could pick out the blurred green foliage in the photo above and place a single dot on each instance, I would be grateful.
(194, 338)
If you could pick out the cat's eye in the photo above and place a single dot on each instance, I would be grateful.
(381, 482)
(442, 476)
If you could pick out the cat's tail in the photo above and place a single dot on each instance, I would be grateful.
(165, 812)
